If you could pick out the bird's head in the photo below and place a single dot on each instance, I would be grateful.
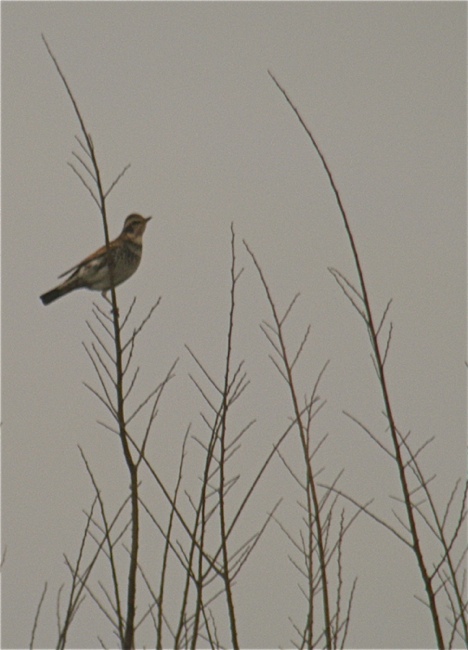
(134, 227)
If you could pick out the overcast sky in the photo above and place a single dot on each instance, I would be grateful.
(181, 91)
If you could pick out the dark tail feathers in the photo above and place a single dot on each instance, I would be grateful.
(52, 295)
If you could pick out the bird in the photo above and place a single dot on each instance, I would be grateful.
(93, 272)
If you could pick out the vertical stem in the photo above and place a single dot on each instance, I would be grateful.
(311, 487)
(129, 635)
(201, 514)
(383, 384)
(226, 576)
(310, 575)
(128, 640)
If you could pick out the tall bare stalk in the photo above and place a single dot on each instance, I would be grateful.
(90, 167)
(401, 453)
(316, 541)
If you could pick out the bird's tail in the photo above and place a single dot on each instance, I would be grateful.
(56, 293)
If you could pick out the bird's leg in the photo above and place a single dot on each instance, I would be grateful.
(104, 295)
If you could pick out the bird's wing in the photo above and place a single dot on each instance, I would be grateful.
(94, 256)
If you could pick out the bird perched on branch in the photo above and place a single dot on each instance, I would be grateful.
(93, 271)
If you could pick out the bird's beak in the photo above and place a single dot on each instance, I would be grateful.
(147, 219)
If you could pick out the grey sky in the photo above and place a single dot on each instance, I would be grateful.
(181, 91)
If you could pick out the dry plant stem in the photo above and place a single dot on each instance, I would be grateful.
(129, 632)
(307, 546)
(80, 577)
(211, 561)
(309, 635)
(159, 627)
(218, 434)
(110, 555)
(379, 361)
(77, 586)
(438, 530)
(222, 514)
(215, 483)
(197, 537)
(202, 517)
(201, 521)
(195, 544)
(286, 372)
(36, 618)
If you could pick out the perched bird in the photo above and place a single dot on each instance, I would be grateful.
(93, 271)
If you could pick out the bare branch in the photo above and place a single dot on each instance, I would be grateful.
(114, 183)
(384, 315)
(93, 196)
(288, 310)
(36, 618)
